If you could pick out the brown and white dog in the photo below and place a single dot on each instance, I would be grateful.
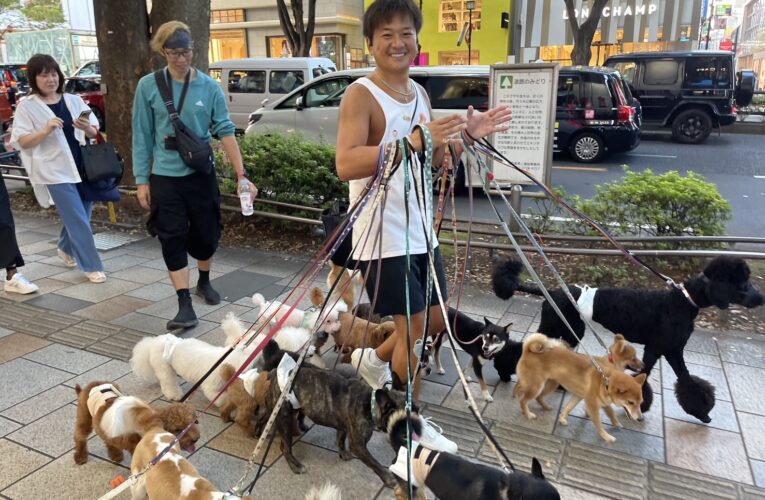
(547, 363)
(121, 420)
(173, 477)
(245, 395)
(349, 284)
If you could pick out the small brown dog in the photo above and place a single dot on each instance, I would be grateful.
(173, 477)
(121, 421)
(550, 360)
(245, 395)
(356, 332)
(349, 284)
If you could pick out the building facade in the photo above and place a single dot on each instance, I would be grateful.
(250, 28)
(751, 43)
(625, 26)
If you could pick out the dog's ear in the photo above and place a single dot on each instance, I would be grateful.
(640, 379)
(618, 338)
(486, 321)
(536, 469)
(508, 328)
(317, 296)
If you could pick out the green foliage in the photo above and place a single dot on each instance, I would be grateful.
(46, 11)
(286, 168)
(644, 203)
(545, 211)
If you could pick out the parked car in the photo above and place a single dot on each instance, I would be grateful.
(594, 112)
(250, 83)
(89, 69)
(690, 93)
(13, 81)
(6, 112)
(90, 91)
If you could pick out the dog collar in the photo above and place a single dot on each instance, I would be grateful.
(682, 288)
(306, 318)
(610, 358)
(373, 404)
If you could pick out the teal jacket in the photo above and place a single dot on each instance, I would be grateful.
(204, 111)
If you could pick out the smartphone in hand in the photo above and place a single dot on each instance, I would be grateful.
(85, 114)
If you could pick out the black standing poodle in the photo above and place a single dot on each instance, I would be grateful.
(662, 320)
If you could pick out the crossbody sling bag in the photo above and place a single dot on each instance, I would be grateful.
(194, 152)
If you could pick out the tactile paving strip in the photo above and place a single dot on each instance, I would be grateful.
(119, 346)
(85, 334)
(606, 472)
(35, 321)
(521, 445)
(667, 482)
(750, 493)
(458, 426)
(110, 240)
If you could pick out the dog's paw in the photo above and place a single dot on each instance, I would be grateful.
(469, 378)
(441, 371)
(173, 394)
(531, 415)
(487, 397)
(389, 479)
(80, 458)
(608, 438)
(346, 455)
(562, 420)
(617, 424)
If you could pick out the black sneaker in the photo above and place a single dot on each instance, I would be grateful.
(186, 317)
(207, 292)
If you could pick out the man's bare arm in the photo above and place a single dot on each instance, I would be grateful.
(354, 158)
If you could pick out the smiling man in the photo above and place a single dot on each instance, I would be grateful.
(379, 109)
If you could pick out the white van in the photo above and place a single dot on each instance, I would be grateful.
(250, 83)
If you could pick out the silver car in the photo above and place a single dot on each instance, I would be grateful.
(312, 109)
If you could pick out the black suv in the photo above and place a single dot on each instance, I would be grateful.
(689, 92)
(595, 113)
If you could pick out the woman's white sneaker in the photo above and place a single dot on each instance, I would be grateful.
(19, 284)
(66, 258)
(96, 276)
(433, 437)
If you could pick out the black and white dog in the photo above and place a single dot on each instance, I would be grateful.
(662, 320)
(484, 342)
(451, 477)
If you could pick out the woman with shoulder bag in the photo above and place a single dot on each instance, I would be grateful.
(48, 128)
(184, 201)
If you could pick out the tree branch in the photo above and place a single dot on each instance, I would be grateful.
(572, 20)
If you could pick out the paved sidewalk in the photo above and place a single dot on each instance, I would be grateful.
(73, 331)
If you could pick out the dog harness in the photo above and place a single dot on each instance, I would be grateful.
(170, 343)
(248, 379)
(423, 460)
(286, 365)
(99, 395)
(586, 302)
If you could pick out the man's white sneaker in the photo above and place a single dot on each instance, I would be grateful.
(96, 276)
(66, 258)
(376, 376)
(433, 437)
(19, 284)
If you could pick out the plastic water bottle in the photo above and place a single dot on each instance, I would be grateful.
(245, 197)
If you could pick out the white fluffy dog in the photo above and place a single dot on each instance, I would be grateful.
(328, 323)
(289, 338)
(160, 359)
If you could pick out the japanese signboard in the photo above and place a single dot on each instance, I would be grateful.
(529, 90)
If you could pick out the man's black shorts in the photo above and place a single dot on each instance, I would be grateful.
(391, 294)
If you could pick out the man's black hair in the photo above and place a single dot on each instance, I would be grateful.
(384, 11)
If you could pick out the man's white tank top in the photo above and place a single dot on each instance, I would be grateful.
(400, 119)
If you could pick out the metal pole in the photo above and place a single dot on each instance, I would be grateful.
(470, 34)
(515, 202)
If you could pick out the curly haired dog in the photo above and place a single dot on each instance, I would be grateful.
(662, 320)
(121, 421)
(245, 395)
(172, 477)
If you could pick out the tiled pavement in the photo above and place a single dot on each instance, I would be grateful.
(74, 332)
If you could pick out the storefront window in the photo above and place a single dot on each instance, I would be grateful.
(227, 44)
(454, 14)
(329, 46)
(456, 57)
(227, 16)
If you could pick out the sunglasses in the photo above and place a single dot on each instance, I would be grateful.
(175, 54)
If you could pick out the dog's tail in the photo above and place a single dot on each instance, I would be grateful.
(317, 296)
(327, 492)
(259, 301)
(505, 280)
(140, 362)
(226, 371)
(397, 428)
(233, 328)
(536, 343)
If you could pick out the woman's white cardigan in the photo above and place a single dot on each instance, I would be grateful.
(51, 161)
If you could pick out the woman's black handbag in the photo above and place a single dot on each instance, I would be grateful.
(101, 162)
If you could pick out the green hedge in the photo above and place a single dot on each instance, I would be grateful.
(287, 168)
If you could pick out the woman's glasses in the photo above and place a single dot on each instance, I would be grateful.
(176, 54)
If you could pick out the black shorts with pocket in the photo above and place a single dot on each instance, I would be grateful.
(185, 216)
(391, 294)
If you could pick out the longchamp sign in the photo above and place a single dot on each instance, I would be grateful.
(618, 11)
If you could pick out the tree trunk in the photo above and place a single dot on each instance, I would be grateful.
(584, 33)
(298, 34)
(119, 27)
(123, 33)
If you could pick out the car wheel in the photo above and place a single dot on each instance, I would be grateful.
(587, 148)
(692, 126)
